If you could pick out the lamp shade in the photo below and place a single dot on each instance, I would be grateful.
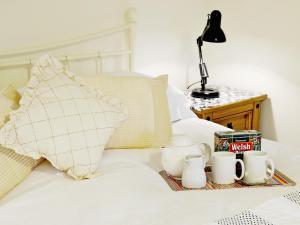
(213, 31)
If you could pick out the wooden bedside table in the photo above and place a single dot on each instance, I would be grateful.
(235, 109)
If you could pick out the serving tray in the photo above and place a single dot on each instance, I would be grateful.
(279, 179)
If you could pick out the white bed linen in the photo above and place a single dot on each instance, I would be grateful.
(131, 192)
(278, 211)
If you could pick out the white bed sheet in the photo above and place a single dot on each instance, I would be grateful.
(131, 192)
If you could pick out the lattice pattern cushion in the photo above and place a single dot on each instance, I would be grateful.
(62, 120)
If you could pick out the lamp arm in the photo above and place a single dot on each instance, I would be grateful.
(200, 43)
(202, 66)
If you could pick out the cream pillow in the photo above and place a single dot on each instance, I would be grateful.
(148, 123)
(9, 100)
(62, 120)
(163, 127)
(6, 106)
(14, 168)
(11, 93)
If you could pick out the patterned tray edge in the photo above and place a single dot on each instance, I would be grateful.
(280, 179)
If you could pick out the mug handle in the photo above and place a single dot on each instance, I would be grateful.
(271, 166)
(243, 169)
(206, 153)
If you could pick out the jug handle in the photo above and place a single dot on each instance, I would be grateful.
(207, 153)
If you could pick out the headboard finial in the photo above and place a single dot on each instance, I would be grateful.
(130, 15)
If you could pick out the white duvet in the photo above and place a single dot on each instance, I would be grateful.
(130, 191)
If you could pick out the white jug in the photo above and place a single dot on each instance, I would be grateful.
(193, 175)
(181, 146)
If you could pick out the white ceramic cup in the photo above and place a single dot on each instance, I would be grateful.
(193, 175)
(224, 168)
(258, 167)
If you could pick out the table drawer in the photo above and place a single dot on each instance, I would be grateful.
(232, 110)
(239, 121)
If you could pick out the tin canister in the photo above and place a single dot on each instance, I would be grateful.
(238, 141)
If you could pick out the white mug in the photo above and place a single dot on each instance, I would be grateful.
(224, 168)
(174, 154)
(259, 168)
(193, 175)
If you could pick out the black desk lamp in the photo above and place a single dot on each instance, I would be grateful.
(212, 33)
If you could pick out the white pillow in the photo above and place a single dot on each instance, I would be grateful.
(178, 104)
(62, 120)
(177, 101)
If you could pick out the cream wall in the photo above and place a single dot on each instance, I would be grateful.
(261, 52)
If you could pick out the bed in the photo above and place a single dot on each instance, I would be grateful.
(130, 190)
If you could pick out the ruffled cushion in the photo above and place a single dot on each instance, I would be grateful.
(62, 120)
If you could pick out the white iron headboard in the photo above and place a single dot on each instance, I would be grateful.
(66, 50)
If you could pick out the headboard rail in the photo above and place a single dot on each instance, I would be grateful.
(67, 58)
(24, 59)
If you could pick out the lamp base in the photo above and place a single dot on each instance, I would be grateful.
(207, 93)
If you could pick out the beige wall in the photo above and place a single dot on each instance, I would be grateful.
(261, 52)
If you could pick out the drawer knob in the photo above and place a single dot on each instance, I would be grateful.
(208, 118)
(229, 125)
